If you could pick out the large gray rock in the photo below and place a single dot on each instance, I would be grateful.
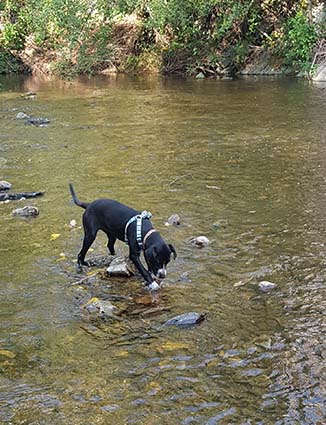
(120, 267)
(187, 319)
(260, 63)
(320, 73)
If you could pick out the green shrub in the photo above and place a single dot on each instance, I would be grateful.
(87, 58)
(8, 63)
(15, 24)
(188, 33)
(296, 44)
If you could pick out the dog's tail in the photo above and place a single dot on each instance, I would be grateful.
(75, 199)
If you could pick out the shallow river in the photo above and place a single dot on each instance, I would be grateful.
(241, 162)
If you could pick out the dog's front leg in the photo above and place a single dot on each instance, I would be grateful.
(135, 258)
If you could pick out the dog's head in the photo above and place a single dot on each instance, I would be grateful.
(157, 257)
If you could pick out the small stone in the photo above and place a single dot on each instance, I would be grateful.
(154, 286)
(213, 187)
(200, 241)
(28, 211)
(110, 407)
(138, 402)
(200, 76)
(22, 116)
(4, 185)
(29, 95)
(173, 220)
(266, 286)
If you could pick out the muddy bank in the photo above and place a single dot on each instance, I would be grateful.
(258, 63)
(136, 43)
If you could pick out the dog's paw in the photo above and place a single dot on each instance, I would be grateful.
(154, 286)
(83, 263)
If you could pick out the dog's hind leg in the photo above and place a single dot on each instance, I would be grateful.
(88, 240)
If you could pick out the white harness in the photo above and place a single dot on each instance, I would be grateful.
(138, 218)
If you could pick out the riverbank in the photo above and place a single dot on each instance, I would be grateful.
(204, 40)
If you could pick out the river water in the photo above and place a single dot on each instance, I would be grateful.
(243, 163)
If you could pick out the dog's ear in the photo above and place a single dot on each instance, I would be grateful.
(174, 252)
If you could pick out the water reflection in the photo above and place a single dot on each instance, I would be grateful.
(242, 163)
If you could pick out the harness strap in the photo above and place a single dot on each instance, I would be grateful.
(138, 218)
(150, 232)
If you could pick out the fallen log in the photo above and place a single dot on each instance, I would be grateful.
(16, 196)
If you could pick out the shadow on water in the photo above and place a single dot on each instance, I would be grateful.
(241, 162)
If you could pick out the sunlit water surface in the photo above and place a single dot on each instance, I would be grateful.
(241, 162)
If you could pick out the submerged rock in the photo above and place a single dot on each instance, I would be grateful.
(4, 185)
(266, 286)
(222, 223)
(100, 308)
(187, 319)
(184, 277)
(200, 241)
(38, 122)
(16, 196)
(27, 211)
(120, 267)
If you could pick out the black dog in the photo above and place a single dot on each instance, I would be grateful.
(128, 225)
